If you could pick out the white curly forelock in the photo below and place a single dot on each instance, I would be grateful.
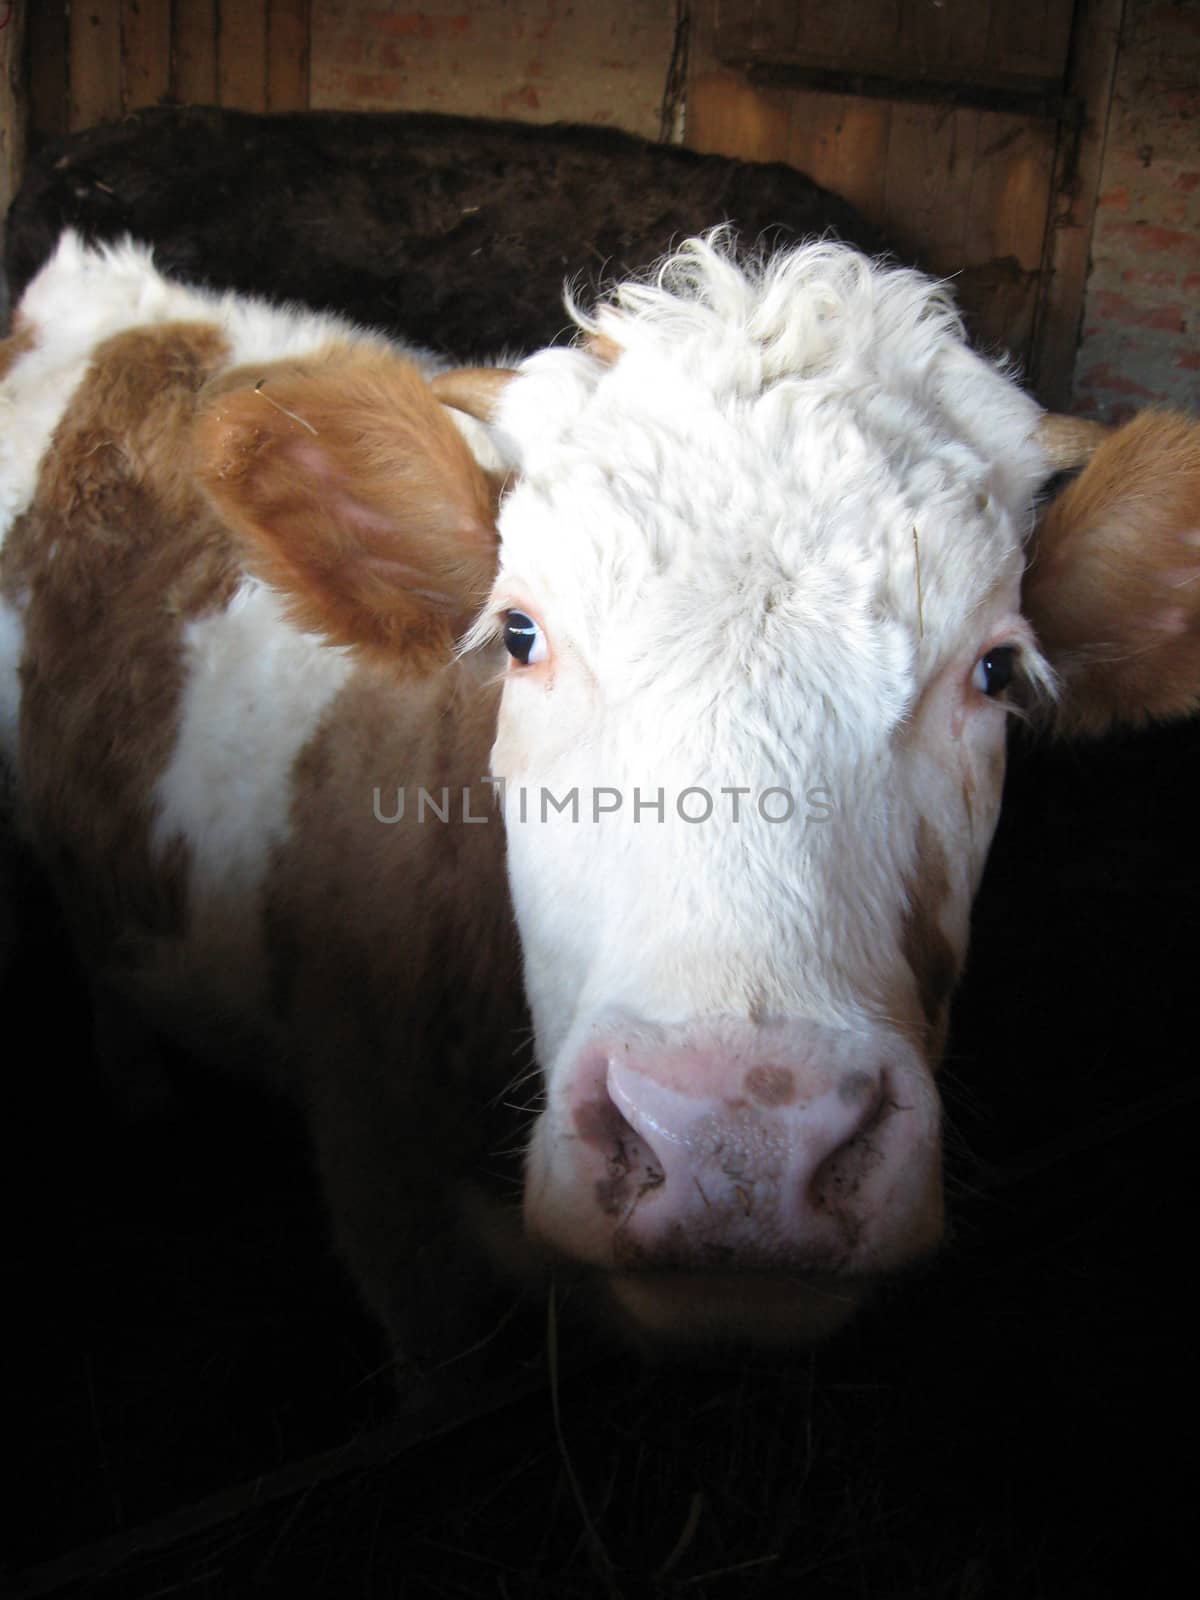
(818, 310)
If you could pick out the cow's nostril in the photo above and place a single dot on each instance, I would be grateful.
(837, 1178)
(632, 1168)
(856, 1086)
(599, 1122)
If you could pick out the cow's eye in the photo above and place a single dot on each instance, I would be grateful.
(994, 671)
(523, 639)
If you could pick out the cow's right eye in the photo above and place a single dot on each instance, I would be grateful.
(523, 639)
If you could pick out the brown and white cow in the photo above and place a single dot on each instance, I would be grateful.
(728, 606)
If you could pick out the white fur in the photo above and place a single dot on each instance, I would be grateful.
(717, 534)
(256, 690)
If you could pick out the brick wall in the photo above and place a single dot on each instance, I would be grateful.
(539, 60)
(1141, 323)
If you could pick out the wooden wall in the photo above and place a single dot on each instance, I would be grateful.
(91, 60)
(602, 61)
(539, 60)
(12, 104)
(970, 131)
(1141, 321)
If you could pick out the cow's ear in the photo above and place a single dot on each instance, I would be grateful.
(1113, 581)
(356, 494)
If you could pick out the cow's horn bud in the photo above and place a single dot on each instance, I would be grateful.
(475, 390)
(1069, 441)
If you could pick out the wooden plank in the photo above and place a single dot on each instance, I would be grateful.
(1000, 43)
(46, 24)
(1005, 229)
(849, 29)
(946, 40)
(94, 63)
(287, 55)
(242, 55)
(841, 141)
(146, 51)
(930, 167)
(727, 116)
(1034, 36)
(966, 191)
(14, 106)
(1011, 187)
(1073, 207)
(194, 52)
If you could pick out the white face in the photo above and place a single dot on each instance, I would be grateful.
(789, 602)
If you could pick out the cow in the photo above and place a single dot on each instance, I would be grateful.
(655, 691)
(450, 231)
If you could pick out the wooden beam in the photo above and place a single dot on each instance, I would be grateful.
(845, 140)
(1036, 101)
(727, 116)
(242, 54)
(13, 105)
(930, 168)
(46, 27)
(94, 63)
(194, 52)
(287, 55)
(1068, 244)
(145, 51)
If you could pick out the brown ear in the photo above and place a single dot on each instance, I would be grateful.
(356, 494)
(1113, 583)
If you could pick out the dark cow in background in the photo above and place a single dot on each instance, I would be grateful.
(451, 232)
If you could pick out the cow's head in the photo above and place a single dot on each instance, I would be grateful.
(757, 579)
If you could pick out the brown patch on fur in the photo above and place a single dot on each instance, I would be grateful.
(413, 728)
(19, 343)
(116, 552)
(399, 969)
(771, 1086)
(929, 953)
(604, 348)
(1113, 584)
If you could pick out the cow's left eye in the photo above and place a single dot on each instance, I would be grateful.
(994, 671)
(523, 639)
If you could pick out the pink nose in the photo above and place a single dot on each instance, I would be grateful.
(774, 1146)
(764, 1148)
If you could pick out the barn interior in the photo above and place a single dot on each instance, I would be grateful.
(196, 1401)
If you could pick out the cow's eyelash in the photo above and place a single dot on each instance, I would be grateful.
(1034, 685)
(487, 629)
